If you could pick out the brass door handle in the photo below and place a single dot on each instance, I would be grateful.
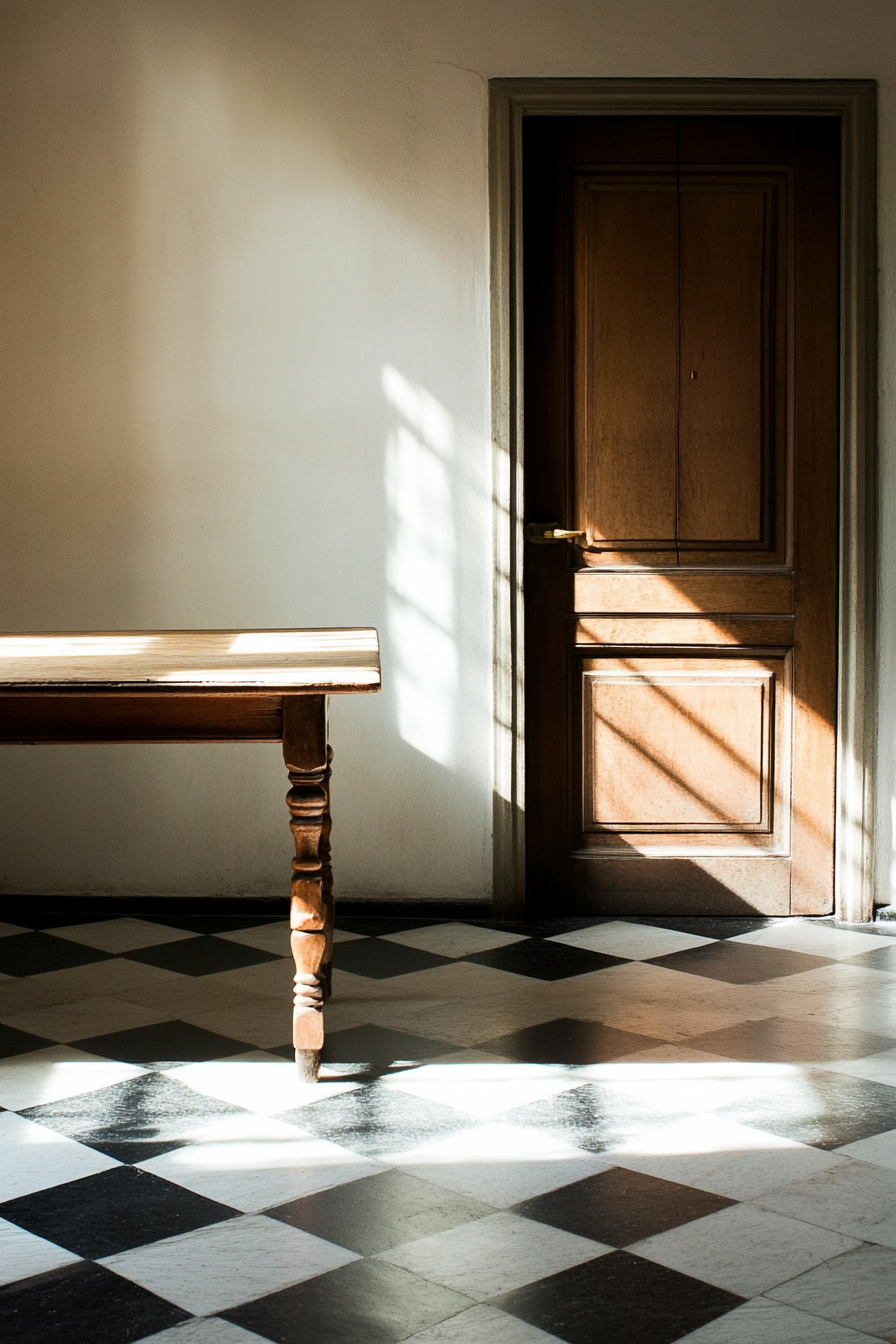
(546, 534)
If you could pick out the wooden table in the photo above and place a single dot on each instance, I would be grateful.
(211, 686)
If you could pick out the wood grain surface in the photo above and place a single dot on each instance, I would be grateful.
(334, 660)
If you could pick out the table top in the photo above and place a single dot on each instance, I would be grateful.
(328, 661)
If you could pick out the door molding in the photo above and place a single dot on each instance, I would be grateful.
(855, 103)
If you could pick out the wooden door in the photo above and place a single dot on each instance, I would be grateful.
(681, 414)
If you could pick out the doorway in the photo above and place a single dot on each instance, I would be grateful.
(680, 306)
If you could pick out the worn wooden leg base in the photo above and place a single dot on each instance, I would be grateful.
(308, 1064)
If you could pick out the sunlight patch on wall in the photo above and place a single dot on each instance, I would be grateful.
(420, 568)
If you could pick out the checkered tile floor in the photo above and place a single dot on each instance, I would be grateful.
(578, 1130)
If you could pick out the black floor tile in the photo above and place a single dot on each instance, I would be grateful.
(163, 1043)
(740, 963)
(374, 1049)
(368, 1301)
(790, 1040)
(543, 928)
(28, 918)
(202, 956)
(824, 1109)
(287, 1051)
(618, 1299)
(134, 1120)
(35, 953)
(881, 958)
(380, 960)
(594, 1116)
(375, 926)
(210, 924)
(619, 1207)
(113, 1211)
(83, 1305)
(543, 960)
(569, 1041)
(374, 1119)
(380, 1212)
(15, 1042)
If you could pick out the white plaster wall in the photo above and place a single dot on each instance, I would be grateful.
(245, 382)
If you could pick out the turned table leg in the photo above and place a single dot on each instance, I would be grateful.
(311, 899)
(327, 873)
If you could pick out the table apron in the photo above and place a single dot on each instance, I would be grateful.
(61, 716)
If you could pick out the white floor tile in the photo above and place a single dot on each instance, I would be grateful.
(470, 1055)
(22, 1254)
(634, 941)
(84, 1018)
(634, 982)
(700, 1085)
(876, 1068)
(836, 979)
(339, 1016)
(819, 940)
(7, 930)
(263, 1022)
(266, 937)
(765, 1322)
(743, 1249)
(485, 1090)
(204, 1330)
(121, 935)
(719, 1155)
(665, 1021)
(247, 1057)
(855, 1198)
(755, 1002)
(856, 1290)
(467, 1022)
(499, 1164)
(493, 1255)
(880, 1149)
(851, 1013)
(415, 988)
(252, 1163)
(481, 1325)
(191, 994)
(221, 1266)
(56, 1072)
(33, 1157)
(95, 980)
(266, 1089)
(672, 1053)
(273, 978)
(454, 940)
(465, 981)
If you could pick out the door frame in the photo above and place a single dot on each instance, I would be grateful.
(855, 103)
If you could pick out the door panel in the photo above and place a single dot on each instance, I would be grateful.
(684, 752)
(673, 751)
(725, 347)
(701, 885)
(626, 368)
(678, 590)
(672, 630)
(681, 310)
